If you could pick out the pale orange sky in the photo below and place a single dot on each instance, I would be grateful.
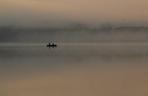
(43, 12)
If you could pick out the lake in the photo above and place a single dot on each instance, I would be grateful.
(19, 57)
(74, 69)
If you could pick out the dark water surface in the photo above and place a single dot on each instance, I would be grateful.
(15, 58)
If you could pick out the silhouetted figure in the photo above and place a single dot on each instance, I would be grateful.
(51, 45)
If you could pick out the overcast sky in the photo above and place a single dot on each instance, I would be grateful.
(59, 12)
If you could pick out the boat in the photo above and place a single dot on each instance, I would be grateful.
(51, 45)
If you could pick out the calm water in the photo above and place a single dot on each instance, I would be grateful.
(15, 58)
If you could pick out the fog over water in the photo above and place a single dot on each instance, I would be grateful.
(24, 50)
(102, 48)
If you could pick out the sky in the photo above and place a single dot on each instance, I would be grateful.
(60, 12)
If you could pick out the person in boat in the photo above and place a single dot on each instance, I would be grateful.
(51, 45)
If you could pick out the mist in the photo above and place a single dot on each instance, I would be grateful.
(73, 20)
(61, 12)
(79, 34)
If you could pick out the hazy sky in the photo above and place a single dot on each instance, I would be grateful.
(57, 12)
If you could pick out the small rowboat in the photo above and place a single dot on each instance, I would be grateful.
(51, 45)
